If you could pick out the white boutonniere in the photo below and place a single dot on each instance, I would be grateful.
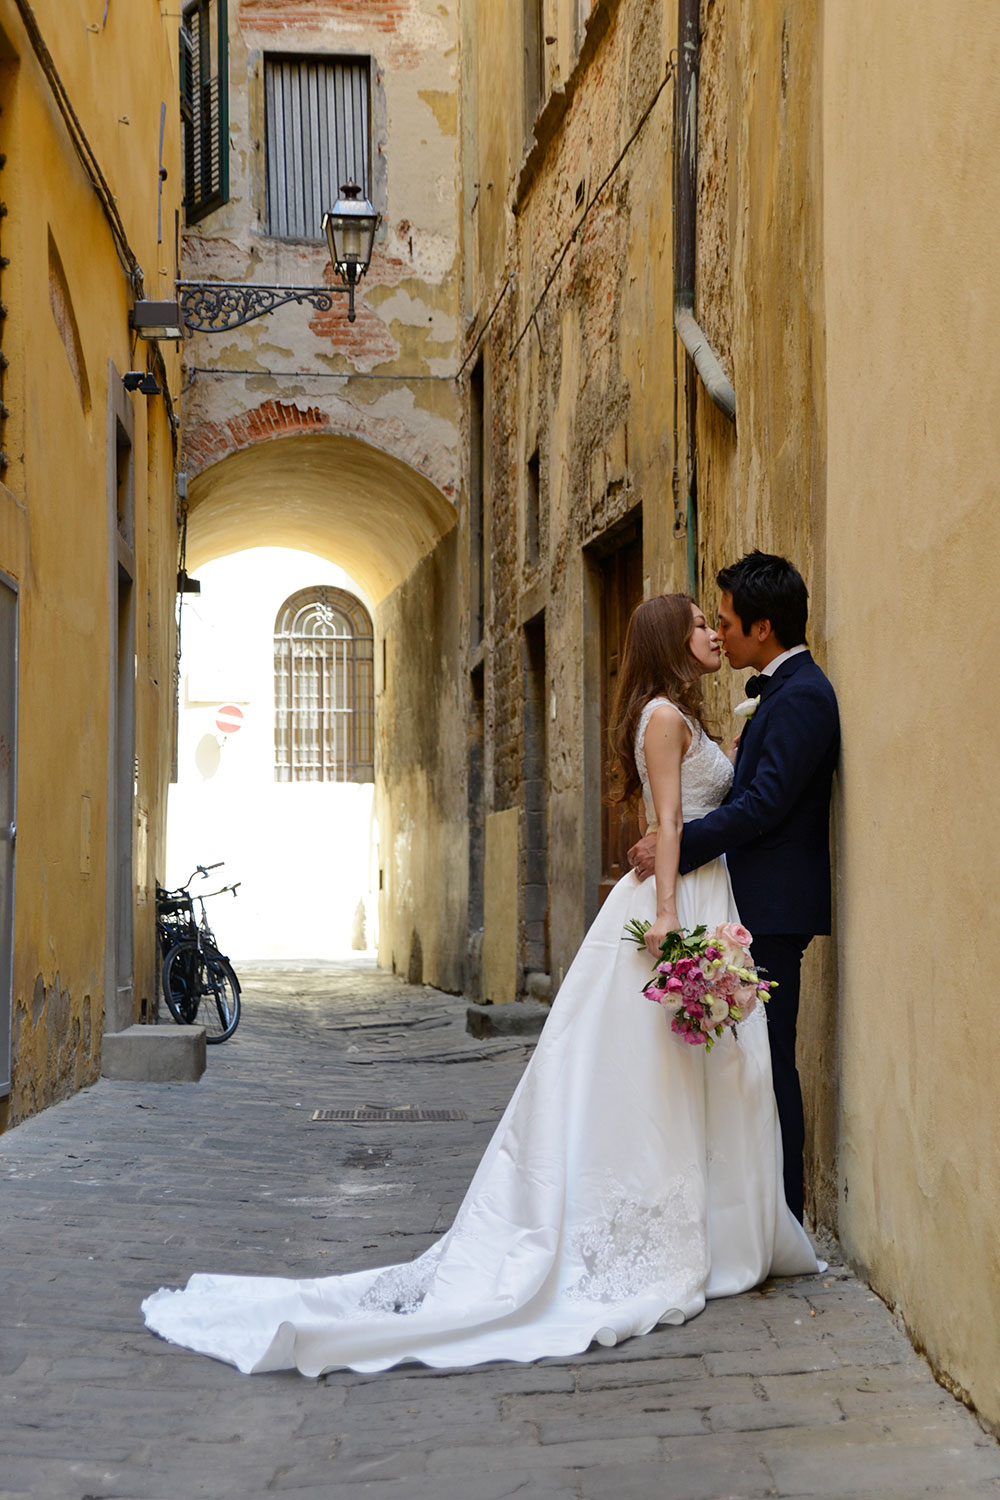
(747, 708)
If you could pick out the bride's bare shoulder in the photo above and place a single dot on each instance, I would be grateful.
(666, 726)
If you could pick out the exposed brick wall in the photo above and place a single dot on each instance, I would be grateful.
(403, 23)
(208, 441)
(364, 343)
(384, 15)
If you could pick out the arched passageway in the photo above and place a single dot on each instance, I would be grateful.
(339, 497)
(392, 533)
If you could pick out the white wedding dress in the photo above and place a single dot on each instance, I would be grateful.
(630, 1178)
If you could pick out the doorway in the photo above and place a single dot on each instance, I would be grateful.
(119, 982)
(8, 815)
(536, 800)
(618, 567)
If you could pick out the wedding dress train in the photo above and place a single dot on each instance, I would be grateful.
(630, 1178)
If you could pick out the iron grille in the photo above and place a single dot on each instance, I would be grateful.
(323, 688)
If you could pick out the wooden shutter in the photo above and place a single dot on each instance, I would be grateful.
(204, 74)
(317, 134)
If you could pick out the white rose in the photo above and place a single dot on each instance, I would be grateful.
(747, 708)
(719, 1012)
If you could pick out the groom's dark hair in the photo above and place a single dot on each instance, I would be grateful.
(765, 587)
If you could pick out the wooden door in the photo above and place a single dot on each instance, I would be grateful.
(621, 591)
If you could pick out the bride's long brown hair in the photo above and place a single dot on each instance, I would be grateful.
(656, 662)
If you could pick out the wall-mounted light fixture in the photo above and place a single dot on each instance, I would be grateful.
(143, 381)
(350, 233)
(157, 320)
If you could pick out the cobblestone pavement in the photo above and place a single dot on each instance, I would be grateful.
(803, 1388)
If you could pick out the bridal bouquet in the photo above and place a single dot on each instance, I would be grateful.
(705, 981)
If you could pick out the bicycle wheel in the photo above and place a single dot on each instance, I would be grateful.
(201, 989)
(219, 1010)
(181, 982)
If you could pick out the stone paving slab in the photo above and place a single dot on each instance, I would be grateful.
(803, 1388)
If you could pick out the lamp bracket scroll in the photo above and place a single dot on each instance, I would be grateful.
(217, 306)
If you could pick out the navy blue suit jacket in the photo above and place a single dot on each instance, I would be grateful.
(774, 826)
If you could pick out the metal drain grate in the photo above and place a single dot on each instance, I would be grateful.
(403, 1112)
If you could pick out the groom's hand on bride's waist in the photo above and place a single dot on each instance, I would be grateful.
(642, 856)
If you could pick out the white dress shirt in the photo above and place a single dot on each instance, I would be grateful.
(773, 666)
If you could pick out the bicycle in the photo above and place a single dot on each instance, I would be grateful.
(199, 983)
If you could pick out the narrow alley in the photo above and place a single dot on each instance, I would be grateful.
(803, 1388)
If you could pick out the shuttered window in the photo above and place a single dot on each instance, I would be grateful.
(204, 70)
(317, 113)
(324, 726)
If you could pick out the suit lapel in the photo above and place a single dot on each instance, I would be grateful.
(769, 687)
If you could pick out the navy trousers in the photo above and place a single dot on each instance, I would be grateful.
(779, 955)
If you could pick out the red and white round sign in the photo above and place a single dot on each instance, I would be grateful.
(229, 718)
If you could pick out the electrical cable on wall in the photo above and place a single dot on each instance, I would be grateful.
(671, 69)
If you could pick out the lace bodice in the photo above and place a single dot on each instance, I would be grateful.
(706, 773)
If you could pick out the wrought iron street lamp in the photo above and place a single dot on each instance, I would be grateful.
(350, 232)
(217, 306)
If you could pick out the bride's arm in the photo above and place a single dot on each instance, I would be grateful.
(667, 738)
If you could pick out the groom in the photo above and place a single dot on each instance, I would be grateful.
(774, 825)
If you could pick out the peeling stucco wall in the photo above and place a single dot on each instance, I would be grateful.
(387, 377)
(581, 372)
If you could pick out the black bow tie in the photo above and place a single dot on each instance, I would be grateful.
(755, 686)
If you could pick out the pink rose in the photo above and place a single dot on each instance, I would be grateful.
(736, 933)
(746, 1001)
(725, 982)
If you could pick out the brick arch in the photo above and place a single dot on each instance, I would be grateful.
(296, 483)
(208, 442)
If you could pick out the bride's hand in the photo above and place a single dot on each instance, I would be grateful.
(655, 935)
(732, 749)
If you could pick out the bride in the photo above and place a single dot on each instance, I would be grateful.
(631, 1176)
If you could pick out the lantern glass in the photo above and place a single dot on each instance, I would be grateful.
(350, 231)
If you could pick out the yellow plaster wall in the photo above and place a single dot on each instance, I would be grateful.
(54, 509)
(760, 298)
(845, 239)
(304, 429)
(911, 119)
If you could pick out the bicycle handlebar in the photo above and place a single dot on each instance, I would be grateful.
(207, 895)
(165, 898)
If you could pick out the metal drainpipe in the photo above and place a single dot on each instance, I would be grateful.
(706, 361)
